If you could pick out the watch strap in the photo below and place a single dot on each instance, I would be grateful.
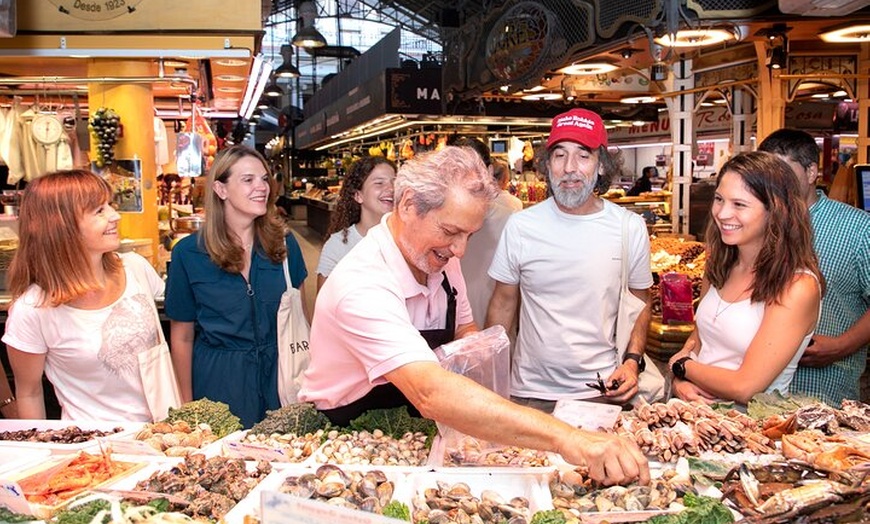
(679, 368)
(641, 363)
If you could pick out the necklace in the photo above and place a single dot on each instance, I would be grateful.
(722, 310)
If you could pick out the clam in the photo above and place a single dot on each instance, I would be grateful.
(492, 497)
(384, 492)
(371, 504)
(459, 491)
(330, 489)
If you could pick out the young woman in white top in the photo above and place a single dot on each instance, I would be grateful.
(761, 290)
(366, 195)
(81, 313)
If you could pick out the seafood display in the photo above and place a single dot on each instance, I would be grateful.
(176, 439)
(573, 492)
(470, 452)
(789, 490)
(455, 502)
(211, 486)
(373, 448)
(71, 477)
(677, 428)
(67, 435)
(805, 463)
(368, 491)
(827, 453)
(280, 447)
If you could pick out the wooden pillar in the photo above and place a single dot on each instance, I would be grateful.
(134, 103)
(863, 96)
(771, 96)
(681, 109)
(741, 121)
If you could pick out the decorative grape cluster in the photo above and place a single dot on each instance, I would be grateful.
(104, 126)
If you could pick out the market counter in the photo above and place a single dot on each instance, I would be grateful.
(319, 214)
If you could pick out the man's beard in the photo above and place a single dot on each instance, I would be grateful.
(572, 198)
(419, 260)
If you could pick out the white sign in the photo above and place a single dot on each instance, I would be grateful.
(590, 416)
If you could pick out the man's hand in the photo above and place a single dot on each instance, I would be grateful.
(626, 376)
(609, 458)
(823, 351)
(689, 391)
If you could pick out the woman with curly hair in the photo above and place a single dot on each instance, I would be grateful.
(761, 290)
(366, 195)
(224, 288)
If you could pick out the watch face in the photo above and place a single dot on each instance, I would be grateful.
(46, 129)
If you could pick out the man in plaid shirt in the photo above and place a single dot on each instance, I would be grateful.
(832, 365)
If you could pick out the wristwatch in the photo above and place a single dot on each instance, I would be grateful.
(679, 368)
(641, 363)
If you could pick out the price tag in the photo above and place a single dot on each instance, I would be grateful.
(587, 415)
(281, 508)
(129, 447)
(255, 452)
(12, 497)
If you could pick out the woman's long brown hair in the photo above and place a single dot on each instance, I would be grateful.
(224, 248)
(788, 235)
(51, 252)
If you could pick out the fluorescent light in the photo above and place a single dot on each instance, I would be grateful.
(197, 54)
(855, 33)
(543, 96)
(260, 71)
(695, 38)
(638, 100)
(588, 68)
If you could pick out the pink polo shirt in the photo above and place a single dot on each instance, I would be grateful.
(367, 320)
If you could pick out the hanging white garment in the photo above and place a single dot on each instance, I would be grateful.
(515, 154)
(161, 145)
(10, 146)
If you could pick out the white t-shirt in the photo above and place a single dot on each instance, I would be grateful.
(478, 254)
(568, 270)
(726, 336)
(335, 249)
(90, 355)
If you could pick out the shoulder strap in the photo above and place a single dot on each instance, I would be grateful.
(624, 269)
(285, 263)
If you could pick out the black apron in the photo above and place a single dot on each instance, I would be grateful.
(387, 396)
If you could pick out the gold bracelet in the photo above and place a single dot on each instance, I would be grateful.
(6, 402)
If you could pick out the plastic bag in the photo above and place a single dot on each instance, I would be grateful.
(676, 290)
(484, 357)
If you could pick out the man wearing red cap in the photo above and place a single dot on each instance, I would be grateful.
(563, 258)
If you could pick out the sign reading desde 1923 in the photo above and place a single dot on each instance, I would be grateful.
(96, 9)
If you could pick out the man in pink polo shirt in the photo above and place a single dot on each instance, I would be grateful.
(400, 293)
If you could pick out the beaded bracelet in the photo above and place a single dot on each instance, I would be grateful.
(6, 402)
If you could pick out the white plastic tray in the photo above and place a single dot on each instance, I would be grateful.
(129, 428)
(15, 458)
(232, 446)
(532, 483)
(250, 505)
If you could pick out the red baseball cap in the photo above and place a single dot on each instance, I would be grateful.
(578, 125)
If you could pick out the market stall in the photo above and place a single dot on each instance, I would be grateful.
(712, 462)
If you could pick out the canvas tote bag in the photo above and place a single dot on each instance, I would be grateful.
(293, 354)
(157, 372)
(650, 383)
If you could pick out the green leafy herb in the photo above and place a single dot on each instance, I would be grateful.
(397, 510)
(299, 419)
(763, 405)
(699, 510)
(549, 516)
(394, 422)
(216, 414)
(8, 516)
(83, 513)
